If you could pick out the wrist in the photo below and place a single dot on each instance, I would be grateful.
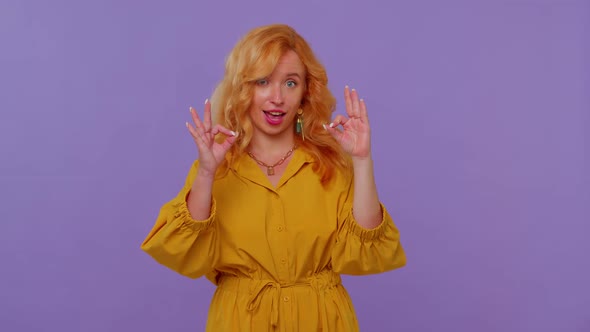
(362, 161)
(205, 175)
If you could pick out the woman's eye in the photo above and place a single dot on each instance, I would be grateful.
(291, 84)
(262, 81)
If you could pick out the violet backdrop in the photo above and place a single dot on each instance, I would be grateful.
(480, 113)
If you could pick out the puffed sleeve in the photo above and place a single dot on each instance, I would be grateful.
(180, 242)
(360, 251)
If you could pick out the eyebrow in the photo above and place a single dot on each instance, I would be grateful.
(293, 74)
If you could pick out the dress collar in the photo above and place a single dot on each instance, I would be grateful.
(247, 168)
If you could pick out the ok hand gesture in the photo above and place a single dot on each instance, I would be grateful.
(211, 153)
(355, 136)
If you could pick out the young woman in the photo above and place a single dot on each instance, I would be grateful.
(282, 199)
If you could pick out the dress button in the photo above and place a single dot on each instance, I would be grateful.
(286, 299)
(283, 261)
(280, 228)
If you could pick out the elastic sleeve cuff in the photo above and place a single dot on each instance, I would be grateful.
(364, 233)
(185, 219)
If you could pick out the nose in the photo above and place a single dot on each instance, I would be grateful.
(277, 94)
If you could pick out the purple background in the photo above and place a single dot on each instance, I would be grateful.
(481, 119)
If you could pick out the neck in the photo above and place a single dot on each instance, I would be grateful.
(271, 148)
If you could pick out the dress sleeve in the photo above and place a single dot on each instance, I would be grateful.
(360, 251)
(180, 242)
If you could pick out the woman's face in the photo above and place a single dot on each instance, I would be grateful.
(277, 97)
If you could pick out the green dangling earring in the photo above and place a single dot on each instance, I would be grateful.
(299, 124)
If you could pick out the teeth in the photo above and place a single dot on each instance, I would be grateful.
(275, 113)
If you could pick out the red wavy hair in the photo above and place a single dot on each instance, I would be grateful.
(255, 56)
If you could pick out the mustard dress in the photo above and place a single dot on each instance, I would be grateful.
(275, 253)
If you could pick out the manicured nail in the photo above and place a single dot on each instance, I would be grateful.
(190, 109)
(362, 100)
(346, 87)
(234, 133)
(353, 89)
(206, 101)
(324, 125)
(332, 125)
(186, 124)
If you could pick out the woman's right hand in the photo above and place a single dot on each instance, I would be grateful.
(211, 153)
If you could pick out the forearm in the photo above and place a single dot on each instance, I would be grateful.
(199, 198)
(366, 206)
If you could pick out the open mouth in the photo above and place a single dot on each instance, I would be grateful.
(274, 117)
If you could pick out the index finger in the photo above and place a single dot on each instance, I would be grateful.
(221, 129)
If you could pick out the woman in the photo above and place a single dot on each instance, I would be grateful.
(281, 200)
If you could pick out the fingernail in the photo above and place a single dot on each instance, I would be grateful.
(332, 125)
(234, 133)
(186, 124)
(346, 87)
(353, 89)
(190, 109)
(206, 100)
(324, 125)
(362, 100)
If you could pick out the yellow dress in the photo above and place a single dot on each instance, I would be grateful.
(275, 253)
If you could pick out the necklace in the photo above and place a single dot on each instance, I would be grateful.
(270, 169)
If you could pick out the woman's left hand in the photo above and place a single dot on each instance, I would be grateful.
(355, 136)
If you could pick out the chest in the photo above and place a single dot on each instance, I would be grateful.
(273, 174)
(300, 209)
